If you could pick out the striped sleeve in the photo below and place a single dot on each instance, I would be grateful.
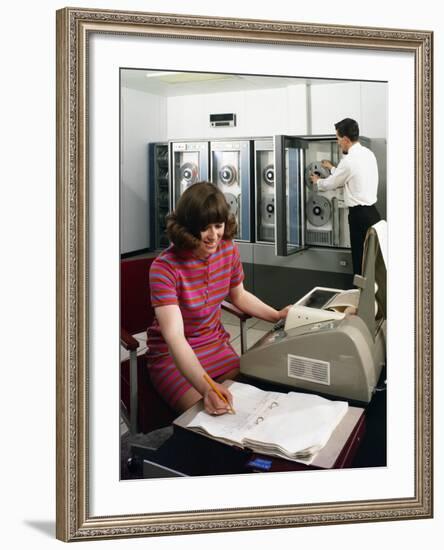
(237, 272)
(163, 287)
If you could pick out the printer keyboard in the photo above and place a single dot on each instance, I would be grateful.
(280, 324)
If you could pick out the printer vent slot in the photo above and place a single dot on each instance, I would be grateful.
(311, 370)
(319, 237)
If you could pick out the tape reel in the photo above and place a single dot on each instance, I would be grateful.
(188, 174)
(318, 210)
(315, 168)
(268, 174)
(232, 202)
(228, 174)
(267, 211)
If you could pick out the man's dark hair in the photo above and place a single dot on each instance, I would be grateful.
(348, 128)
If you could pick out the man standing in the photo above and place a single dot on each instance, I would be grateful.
(357, 172)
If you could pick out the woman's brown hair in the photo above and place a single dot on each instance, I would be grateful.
(199, 206)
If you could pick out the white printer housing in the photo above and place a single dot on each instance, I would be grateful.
(330, 351)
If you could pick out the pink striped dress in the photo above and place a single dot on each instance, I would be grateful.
(198, 287)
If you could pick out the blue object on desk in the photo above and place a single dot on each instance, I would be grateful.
(261, 464)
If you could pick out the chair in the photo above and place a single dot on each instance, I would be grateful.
(142, 407)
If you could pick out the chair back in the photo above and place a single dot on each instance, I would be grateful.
(136, 311)
(136, 315)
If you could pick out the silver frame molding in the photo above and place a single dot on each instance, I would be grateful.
(74, 521)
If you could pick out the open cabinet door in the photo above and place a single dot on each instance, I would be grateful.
(289, 194)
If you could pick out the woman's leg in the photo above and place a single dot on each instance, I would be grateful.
(187, 400)
(230, 375)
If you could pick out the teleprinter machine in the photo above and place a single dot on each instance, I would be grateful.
(333, 341)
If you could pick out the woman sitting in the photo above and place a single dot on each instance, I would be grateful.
(188, 282)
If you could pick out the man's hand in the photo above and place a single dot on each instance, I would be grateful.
(327, 164)
(314, 177)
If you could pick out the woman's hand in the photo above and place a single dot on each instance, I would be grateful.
(213, 404)
(248, 303)
(284, 312)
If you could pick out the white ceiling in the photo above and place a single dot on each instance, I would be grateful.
(186, 83)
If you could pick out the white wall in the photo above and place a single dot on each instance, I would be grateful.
(143, 120)
(366, 102)
(27, 279)
(373, 109)
(333, 102)
(258, 113)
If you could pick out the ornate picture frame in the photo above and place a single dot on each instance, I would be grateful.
(74, 29)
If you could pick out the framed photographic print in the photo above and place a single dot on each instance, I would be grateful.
(129, 87)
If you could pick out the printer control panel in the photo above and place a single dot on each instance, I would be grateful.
(324, 325)
(279, 325)
(276, 334)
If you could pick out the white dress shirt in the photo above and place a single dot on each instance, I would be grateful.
(357, 172)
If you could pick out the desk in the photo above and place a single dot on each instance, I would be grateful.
(339, 452)
(196, 455)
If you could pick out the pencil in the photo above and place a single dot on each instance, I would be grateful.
(214, 387)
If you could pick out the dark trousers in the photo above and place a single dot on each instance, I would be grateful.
(360, 218)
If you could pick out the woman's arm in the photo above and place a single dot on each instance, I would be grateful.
(171, 325)
(249, 303)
